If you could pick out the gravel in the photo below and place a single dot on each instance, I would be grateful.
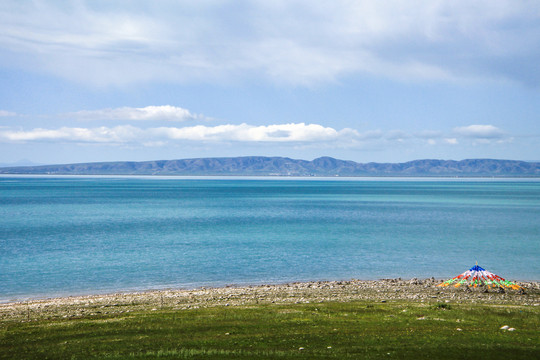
(381, 291)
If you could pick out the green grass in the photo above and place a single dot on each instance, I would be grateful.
(334, 330)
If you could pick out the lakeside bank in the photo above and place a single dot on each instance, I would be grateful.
(385, 290)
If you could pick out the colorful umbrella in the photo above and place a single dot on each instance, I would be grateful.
(477, 276)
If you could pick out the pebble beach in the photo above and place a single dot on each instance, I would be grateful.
(385, 290)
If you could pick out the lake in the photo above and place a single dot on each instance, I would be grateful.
(82, 235)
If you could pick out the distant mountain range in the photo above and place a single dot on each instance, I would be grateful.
(281, 166)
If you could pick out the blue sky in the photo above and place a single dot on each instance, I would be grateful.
(385, 81)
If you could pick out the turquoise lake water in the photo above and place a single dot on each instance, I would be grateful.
(80, 235)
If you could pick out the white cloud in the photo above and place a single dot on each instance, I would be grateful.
(480, 132)
(293, 41)
(6, 113)
(149, 113)
(120, 134)
(271, 133)
(292, 133)
(286, 136)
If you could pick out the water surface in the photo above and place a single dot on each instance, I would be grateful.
(80, 235)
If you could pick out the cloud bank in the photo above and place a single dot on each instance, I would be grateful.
(130, 134)
(296, 42)
(292, 133)
(148, 113)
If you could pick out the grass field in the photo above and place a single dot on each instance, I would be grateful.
(334, 330)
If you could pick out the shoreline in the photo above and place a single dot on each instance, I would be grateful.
(384, 290)
(532, 284)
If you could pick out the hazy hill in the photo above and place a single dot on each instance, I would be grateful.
(259, 165)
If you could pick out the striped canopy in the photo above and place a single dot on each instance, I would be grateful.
(478, 276)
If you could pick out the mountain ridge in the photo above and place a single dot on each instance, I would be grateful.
(284, 166)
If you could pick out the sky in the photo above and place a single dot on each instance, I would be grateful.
(383, 81)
